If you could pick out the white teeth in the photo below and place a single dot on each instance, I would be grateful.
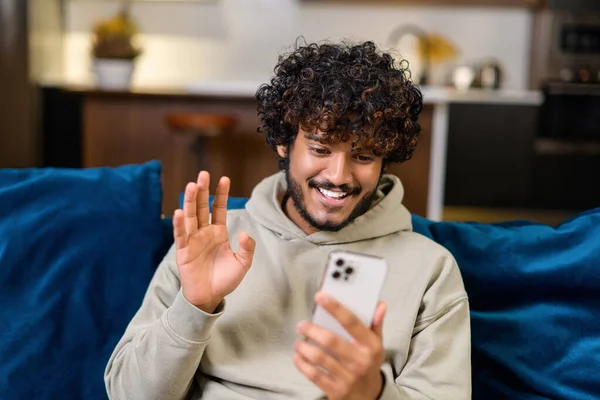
(335, 195)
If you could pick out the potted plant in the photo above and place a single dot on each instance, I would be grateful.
(114, 50)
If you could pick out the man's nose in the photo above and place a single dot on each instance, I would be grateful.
(339, 170)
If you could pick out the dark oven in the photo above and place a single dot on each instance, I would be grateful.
(571, 112)
(569, 71)
(566, 67)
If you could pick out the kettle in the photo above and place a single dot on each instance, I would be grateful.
(490, 75)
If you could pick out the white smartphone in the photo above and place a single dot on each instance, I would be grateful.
(355, 280)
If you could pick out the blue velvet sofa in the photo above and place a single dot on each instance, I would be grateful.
(78, 248)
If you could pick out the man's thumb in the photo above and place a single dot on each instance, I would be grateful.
(378, 318)
(246, 250)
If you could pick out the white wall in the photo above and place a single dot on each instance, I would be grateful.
(240, 39)
(45, 40)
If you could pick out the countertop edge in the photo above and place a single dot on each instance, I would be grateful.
(245, 90)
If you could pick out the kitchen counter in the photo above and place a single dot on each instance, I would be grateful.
(247, 89)
(430, 94)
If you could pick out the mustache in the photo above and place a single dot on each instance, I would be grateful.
(327, 185)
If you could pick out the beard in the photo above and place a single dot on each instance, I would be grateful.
(297, 196)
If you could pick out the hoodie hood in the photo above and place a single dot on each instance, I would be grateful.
(386, 216)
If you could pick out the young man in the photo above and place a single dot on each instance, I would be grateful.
(213, 327)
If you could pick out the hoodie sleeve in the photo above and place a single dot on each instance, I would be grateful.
(439, 360)
(161, 348)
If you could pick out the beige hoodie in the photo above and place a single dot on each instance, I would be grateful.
(173, 350)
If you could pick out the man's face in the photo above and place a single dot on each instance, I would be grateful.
(329, 184)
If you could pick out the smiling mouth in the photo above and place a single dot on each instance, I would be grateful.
(333, 195)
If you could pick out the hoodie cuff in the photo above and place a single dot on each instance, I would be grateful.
(189, 322)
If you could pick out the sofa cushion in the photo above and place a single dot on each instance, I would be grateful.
(77, 251)
(535, 297)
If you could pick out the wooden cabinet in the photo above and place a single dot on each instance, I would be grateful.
(131, 128)
(123, 128)
(415, 173)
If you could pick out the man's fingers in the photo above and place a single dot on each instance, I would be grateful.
(189, 208)
(377, 325)
(319, 357)
(179, 233)
(316, 375)
(327, 339)
(351, 323)
(246, 250)
(219, 208)
(202, 199)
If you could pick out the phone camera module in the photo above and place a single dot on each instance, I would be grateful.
(339, 262)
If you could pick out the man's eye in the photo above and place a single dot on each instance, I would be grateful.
(362, 158)
(320, 150)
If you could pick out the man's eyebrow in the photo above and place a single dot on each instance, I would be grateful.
(321, 139)
(314, 137)
(362, 150)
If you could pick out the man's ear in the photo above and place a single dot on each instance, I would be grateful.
(282, 150)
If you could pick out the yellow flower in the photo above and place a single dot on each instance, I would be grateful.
(440, 48)
(113, 38)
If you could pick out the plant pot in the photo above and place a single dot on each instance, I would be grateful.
(113, 74)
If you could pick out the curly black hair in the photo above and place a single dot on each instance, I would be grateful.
(342, 90)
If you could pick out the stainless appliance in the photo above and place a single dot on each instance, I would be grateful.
(490, 74)
(566, 68)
